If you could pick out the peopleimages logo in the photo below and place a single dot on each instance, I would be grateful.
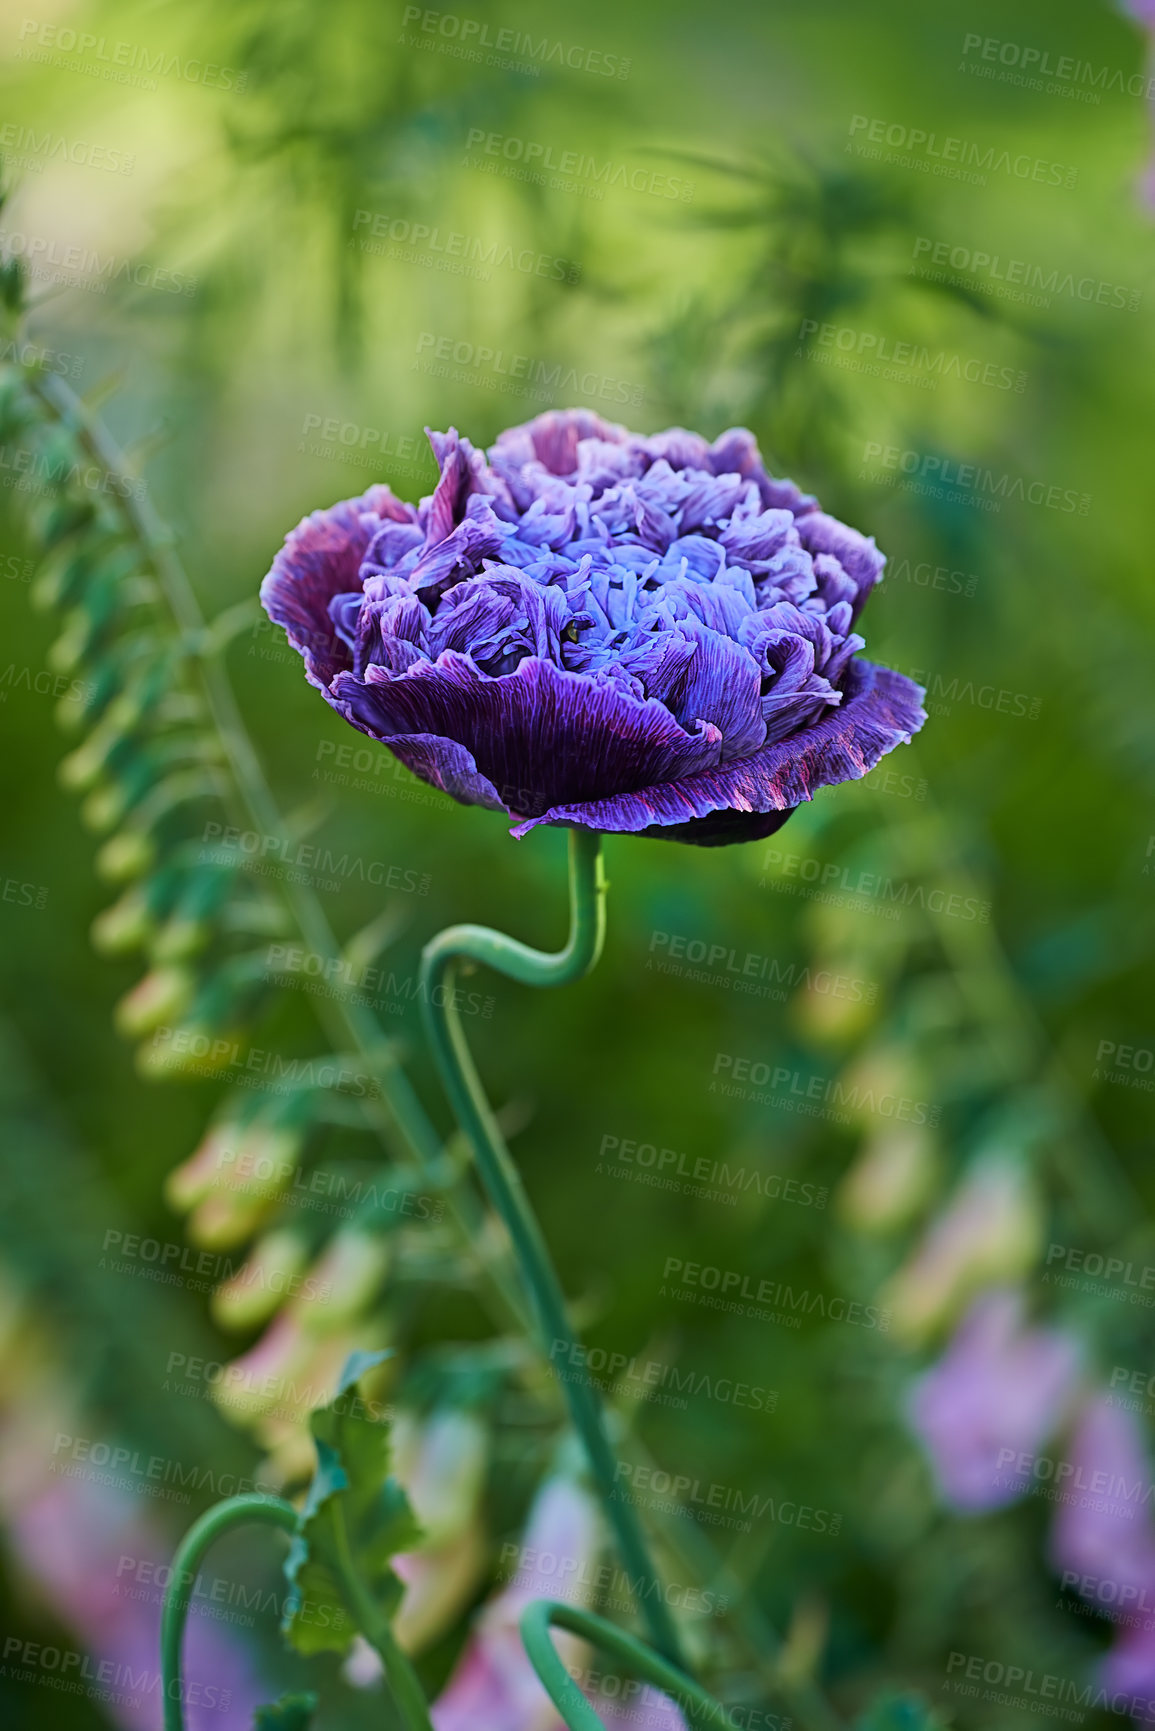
(730, 1289)
(1036, 1687)
(573, 165)
(1018, 279)
(453, 250)
(950, 157)
(834, 1092)
(872, 352)
(466, 37)
(711, 962)
(939, 477)
(119, 62)
(1017, 63)
(26, 148)
(517, 374)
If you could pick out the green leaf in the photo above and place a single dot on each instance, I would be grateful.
(290, 1713)
(355, 1518)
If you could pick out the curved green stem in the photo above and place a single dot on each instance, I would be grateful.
(699, 1708)
(503, 1183)
(399, 1673)
(237, 1511)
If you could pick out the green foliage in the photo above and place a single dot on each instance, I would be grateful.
(698, 305)
(290, 1713)
(355, 1519)
(899, 1712)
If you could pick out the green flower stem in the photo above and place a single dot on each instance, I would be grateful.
(237, 1511)
(699, 1708)
(399, 1112)
(502, 1181)
(399, 1673)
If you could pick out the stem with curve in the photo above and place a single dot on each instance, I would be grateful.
(236, 1512)
(502, 1181)
(701, 1709)
(275, 1512)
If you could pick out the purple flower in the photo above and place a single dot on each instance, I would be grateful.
(639, 634)
(1143, 11)
(997, 1393)
(1103, 1541)
(97, 1559)
(646, 1710)
(494, 1687)
(1103, 1529)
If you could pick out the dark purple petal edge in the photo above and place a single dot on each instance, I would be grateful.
(322, 558)
(880, 709)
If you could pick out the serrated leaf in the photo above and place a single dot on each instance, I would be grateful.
(290, 1713)
(352, 1501)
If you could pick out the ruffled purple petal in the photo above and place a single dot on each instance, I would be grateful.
(641, 633)
(459, 554)
(717, 681)
(445, 764)
(321, 558)
(539, 735)
(552, 439)
(857, 554)
(464, 473)
(880, 709)
(736, 453)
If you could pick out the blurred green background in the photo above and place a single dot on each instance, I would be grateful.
(205, 220)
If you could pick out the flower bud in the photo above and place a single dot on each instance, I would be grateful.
(990, 1233)
(106, 806)
(178, 939)
(346, 1278)
(70, 648)
(127, 855)
(269, 1276)
(286, 1373)
(159, 999)
(193, 1048)
(438, 1586)
(123, 927)
(834, 1012)
(225, 1220)
(891, 1179)
(82, 768)
(441, 1463)
(197, 1175)
(881, 1073)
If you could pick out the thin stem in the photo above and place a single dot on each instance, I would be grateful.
(345, 1020)
(699, 1707)
(502, 1181)
(399, 1673)
(693, 1549)
(237, 1511)
(346, 1023)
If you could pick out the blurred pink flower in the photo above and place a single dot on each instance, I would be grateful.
(1103, 1529)
(99, 1564)
(494, 1687)
(999, 1390)
(649, 1710)
(1143, 12)
(987, 1235)
(1104, 1540)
